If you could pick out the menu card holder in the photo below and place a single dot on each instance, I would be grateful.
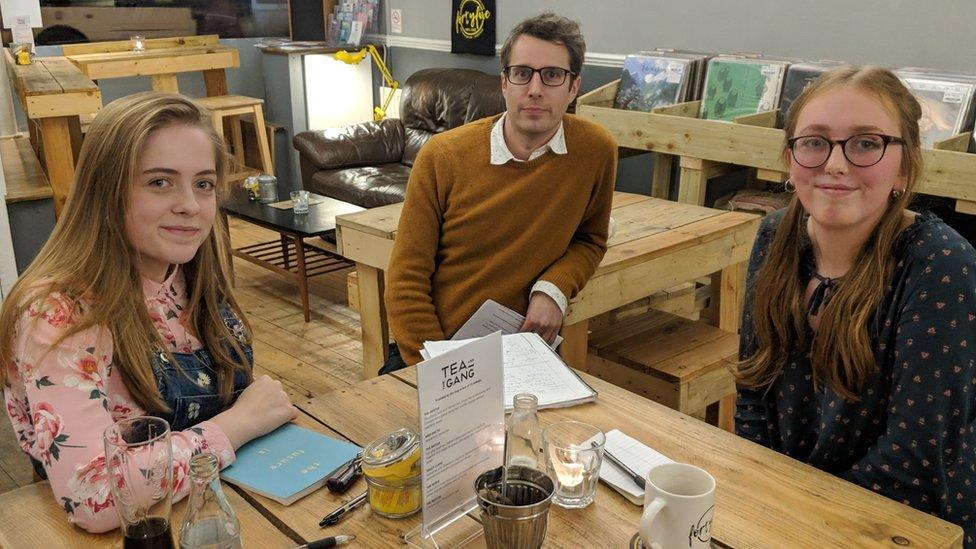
(462, 434)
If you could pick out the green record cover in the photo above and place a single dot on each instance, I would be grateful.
(737, 87)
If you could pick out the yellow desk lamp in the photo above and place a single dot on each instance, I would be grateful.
(379, 113)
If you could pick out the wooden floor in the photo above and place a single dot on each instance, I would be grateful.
(309, 358)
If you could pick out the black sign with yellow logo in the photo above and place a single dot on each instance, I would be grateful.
(473, 26)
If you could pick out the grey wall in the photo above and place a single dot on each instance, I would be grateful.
(932, 33)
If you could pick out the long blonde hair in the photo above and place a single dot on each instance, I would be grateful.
(91, 263)
(841, 351)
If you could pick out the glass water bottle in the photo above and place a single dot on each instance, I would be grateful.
(524, 434)
(209, 521)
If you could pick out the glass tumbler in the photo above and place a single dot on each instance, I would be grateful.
(138, 43)
(299, 200)
(139, 470)
(574, 451)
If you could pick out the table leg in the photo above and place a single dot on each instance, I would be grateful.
(284, 251)
(215, 81)
(661, 176)
(59, 161)
(74, 129)
(372, 317)
(692, 185)
(165, 83)
(728, 291)
(228, 248)
(573, 348)
(302, 277)
(725, 311)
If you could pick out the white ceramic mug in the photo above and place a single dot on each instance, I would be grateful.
(678, 504)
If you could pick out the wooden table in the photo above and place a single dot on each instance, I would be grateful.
(658, 244)
(162, 60)
(53, 93)
(763, 499)
(31, 518)
(289, 256)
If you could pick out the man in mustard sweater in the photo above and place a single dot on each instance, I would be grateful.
(513, 208)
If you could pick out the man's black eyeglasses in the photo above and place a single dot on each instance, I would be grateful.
(521, 75)
(862, 150)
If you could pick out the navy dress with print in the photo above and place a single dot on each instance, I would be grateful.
(912, 434)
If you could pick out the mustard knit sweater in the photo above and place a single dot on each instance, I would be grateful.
(472, 231)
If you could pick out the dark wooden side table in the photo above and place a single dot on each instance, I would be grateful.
(289, 256)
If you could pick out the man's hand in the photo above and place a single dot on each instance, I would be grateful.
(543, 317)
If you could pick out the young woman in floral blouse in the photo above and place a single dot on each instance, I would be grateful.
(860, 321)
(128, 310)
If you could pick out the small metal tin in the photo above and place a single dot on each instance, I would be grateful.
(268, 188)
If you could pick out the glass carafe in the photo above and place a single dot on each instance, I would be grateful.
(209, 522)
(524, 434)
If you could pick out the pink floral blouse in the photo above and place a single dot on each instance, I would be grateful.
(60, 402)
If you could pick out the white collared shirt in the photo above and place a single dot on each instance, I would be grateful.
(501, 154)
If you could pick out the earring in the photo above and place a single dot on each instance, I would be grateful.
(789, 186)
(897, 193)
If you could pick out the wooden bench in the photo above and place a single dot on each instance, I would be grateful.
(22, 172)
(681, 363)
(53, 93)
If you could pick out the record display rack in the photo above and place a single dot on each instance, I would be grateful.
(707, 148)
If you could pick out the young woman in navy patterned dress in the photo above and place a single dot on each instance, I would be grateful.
(859, 332)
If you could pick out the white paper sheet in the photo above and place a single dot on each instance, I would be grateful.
(634, 454)
(493, 317)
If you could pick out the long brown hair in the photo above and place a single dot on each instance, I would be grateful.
(841, 352)
(91, 263)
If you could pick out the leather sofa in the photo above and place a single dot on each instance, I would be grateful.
(368, 164)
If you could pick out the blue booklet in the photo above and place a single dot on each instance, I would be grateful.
(288, 463)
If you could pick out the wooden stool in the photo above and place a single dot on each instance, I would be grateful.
(684, 364)
(232, 107)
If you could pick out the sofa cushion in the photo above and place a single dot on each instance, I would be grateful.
(365, 144)
(414, 140)
(436, 100)
(366, 186)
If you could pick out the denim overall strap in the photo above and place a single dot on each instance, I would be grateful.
(190, 387)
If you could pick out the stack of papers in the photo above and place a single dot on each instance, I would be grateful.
(634, 454)
(493, 317)
(530, 366)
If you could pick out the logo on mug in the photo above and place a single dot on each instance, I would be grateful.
(702, 531)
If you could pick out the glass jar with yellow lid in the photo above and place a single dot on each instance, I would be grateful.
(391, 466)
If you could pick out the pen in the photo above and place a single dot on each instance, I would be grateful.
(334, 516)
(334, 541)
(639, 480)
(342, 479)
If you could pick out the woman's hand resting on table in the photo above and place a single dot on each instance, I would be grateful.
(261, 408)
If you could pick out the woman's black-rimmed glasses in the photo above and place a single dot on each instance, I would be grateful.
(521, 75)
(862, 150)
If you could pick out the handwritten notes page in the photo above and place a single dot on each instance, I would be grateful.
(531, 367)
